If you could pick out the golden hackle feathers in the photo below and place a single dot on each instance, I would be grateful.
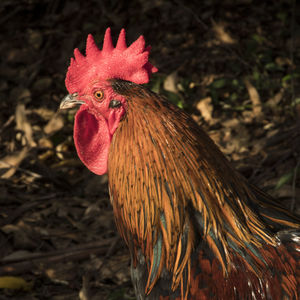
(162, 167)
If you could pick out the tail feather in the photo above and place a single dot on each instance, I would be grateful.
(272, 212)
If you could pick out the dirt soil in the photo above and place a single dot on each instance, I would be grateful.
(233, 65)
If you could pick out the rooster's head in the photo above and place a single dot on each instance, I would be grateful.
(88, 83)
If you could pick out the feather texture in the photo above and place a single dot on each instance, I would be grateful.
(187, 217)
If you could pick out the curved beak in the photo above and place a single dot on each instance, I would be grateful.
(70, 101)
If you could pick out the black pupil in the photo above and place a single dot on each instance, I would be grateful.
(98, 94)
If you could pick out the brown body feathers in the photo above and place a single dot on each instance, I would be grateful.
(195, 228)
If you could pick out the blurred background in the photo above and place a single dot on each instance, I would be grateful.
(233, 65)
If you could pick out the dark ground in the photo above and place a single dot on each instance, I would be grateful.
(234, 65)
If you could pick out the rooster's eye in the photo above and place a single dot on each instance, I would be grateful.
(98, 94)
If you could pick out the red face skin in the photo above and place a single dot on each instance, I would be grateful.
(95, 124)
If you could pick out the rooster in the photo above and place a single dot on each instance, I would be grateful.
(195, 228)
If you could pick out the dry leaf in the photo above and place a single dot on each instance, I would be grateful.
(12, 162)
(248, 116)
(274, 101)
(55, 124)
(170, 83)
(255, 99)
(15, 283)
(206, 109)
(23, 124)
(84, 292)
(221, 34)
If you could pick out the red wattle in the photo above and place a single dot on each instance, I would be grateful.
(92, 139)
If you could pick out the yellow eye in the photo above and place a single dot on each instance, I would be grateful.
(99, 94)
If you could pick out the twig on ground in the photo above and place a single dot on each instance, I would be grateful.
(34, 261)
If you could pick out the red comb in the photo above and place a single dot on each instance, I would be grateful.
(122, 62)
